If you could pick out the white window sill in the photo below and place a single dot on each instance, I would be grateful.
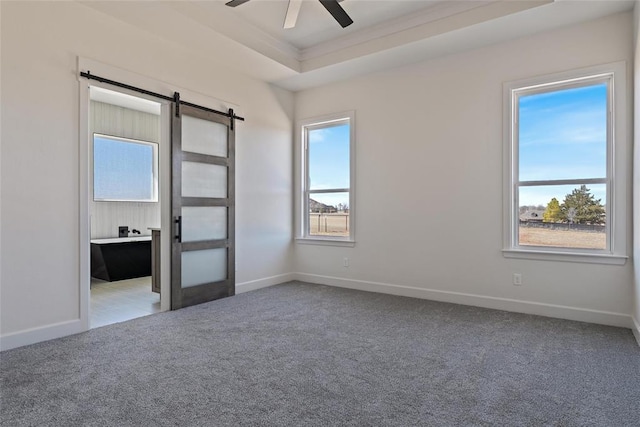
(325, 242)
(565, 256)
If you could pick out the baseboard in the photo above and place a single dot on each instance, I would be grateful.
(635, 327)
(59, 330)
(252, 285)
(518, 306)
(36, 335)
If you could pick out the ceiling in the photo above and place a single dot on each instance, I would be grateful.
(315, 25)
(385, 34)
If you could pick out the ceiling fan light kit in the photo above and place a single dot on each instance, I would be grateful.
(332, 6)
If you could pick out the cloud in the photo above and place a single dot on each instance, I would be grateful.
(318, 135)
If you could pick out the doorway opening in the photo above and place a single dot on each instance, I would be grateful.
(127, 149)
(190, 162)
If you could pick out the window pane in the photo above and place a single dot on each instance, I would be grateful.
(563, 134)
(329, 157)
(564, 216)
(123, 170)
(329, 214)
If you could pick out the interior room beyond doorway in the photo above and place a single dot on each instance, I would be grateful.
(124, 206)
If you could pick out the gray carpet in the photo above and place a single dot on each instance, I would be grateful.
(310, 355)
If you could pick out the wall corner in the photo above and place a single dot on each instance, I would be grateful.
(635, 328)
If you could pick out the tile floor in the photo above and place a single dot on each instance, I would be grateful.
(113, 302)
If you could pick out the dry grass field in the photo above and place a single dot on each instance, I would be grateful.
(336, 225)
(562, 238)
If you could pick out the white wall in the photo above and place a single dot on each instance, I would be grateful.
(429, 180)
(40, 177)
(636, 172)
(429, 142)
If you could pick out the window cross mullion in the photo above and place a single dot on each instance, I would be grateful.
(563, 182)
(329, 190)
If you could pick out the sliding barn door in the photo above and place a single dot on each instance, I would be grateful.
(202, 256)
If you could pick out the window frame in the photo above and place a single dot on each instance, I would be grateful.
(155, 167)
(303, 193)
(616, 168)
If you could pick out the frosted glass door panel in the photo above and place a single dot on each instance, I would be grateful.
(204, 180)
(204, 137)
(200, 267)
(204, 223)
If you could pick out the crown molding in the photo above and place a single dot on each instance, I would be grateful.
(396, 32)
(222, 20)
(440, 10)
(174, 23)
(444, 19)
(439, 18)
(214, 25)
(212, 31)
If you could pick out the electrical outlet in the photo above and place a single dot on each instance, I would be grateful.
(345, 262)
(517, 279)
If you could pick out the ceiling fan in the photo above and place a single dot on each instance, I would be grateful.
(332, 6)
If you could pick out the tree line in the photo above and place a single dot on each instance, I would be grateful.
(578, 207)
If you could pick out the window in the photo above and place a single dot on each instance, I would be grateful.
(327, 190)
(124, 169)
(560, 171)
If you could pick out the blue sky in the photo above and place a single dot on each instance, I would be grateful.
(562, 135)
(329, 163)
(122, 169)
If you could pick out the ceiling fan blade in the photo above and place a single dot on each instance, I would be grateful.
(334, 8)
(292, 13)
(234, 3)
